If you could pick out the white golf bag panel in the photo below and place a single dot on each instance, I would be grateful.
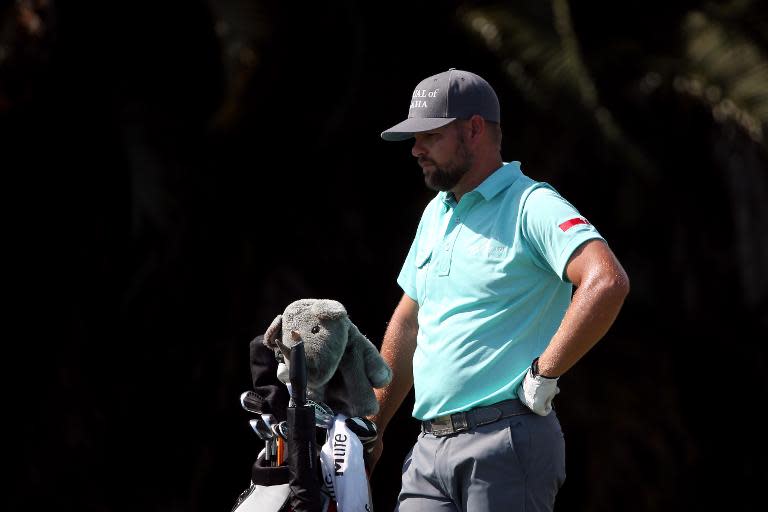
(264, 498)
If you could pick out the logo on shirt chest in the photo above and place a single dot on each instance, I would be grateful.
(487, 249)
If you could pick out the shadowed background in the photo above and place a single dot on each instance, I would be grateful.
(177, 172)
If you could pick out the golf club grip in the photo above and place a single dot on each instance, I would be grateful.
(298, 374)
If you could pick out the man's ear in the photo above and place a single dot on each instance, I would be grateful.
(476, 127)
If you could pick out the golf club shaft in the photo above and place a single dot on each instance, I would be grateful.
(298, 374)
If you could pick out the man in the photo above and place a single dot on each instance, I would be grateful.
(487, 324)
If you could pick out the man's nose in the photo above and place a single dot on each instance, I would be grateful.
(418, 148)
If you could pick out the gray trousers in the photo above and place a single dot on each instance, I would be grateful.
(514, 464)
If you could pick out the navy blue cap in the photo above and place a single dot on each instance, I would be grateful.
(443, 98)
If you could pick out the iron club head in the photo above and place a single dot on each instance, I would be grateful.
(281, 429)
(261, 429)
(253, 403)
(324, 415)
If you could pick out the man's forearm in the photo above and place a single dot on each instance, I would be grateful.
(601, 290)
(397, 349)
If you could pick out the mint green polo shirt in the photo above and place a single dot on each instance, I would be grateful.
(488, 274)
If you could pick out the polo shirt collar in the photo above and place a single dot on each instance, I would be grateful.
(500, 179)
(448, 199)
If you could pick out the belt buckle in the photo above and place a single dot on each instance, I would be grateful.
(441, 426)
(459, 422)
(449, 424)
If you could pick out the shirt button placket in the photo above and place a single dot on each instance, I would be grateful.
(445, 260)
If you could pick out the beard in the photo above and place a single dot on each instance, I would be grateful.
(445, 177)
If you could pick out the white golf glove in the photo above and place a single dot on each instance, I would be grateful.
(536, 391)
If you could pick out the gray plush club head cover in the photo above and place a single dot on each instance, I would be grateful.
(343, 366)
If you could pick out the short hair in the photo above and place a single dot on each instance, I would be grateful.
(495, 129)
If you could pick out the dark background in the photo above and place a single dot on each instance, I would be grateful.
(177, 172)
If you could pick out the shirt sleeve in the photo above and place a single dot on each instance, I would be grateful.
(554, 229)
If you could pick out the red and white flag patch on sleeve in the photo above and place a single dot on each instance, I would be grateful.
(565, 226)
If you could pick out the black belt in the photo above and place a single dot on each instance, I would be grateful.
(463, 421)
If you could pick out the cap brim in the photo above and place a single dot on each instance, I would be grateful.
(407, 128)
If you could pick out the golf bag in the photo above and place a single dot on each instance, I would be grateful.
(297, 480)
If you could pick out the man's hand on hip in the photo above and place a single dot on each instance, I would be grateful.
(537, 391)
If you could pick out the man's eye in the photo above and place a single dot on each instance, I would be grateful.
(316, 329)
